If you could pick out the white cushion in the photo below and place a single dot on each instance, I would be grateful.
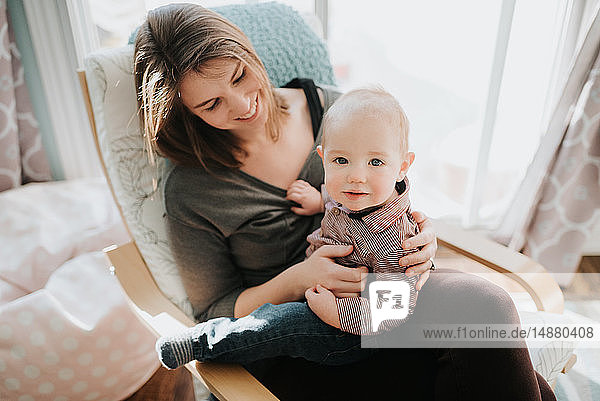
(112, 90)
(549, 355)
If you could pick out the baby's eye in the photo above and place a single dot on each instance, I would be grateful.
(376, 162)
(340, 160)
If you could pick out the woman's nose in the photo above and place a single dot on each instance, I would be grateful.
(241, 105)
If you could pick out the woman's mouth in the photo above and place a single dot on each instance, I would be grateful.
(250, 115)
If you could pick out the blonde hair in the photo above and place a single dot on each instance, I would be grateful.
(371, 101)
(178, 39)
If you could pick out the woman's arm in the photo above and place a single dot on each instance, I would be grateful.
(291, 284)
(215, 285)
(210, 279)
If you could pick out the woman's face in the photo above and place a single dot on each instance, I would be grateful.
(229, 96)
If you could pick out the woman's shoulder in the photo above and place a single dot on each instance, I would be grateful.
(327, 94)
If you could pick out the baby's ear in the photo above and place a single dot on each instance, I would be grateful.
(320, 151)
(409, 159)
(406, 163)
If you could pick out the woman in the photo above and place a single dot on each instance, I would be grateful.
(237, 144)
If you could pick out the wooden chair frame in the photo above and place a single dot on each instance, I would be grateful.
(233, 382)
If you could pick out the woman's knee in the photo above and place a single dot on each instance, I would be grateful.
(499, 304)
(472, 299)
(492, 304)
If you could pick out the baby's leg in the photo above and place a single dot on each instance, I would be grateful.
(290, 329)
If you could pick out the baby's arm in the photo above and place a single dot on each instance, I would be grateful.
(307, 197)
(323, 303)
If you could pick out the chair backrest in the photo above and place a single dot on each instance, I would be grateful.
(288, 48)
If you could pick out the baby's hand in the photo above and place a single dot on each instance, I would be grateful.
(322, 302)
(307, 196)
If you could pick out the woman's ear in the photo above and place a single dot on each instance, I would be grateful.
(406, 163)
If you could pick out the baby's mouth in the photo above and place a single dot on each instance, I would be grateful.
(354, 194)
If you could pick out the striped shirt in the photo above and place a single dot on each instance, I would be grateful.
(376, 235)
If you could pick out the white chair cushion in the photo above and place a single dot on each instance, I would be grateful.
(112, 90)
(549, 355)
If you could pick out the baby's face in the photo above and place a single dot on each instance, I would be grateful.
(362, 162)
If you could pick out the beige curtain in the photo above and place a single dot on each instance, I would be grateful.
(558, 202)
(22, 157)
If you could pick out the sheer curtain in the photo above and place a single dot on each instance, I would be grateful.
(558, 202)
(22, 157)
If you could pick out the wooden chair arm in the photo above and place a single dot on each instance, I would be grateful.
(225, 381)
(139, 285)
(530, 275)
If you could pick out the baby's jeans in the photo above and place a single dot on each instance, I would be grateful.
(290, 329)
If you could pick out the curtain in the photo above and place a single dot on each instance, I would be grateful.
(22, 157)
(558, 201)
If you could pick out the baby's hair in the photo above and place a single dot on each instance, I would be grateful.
(372, 101)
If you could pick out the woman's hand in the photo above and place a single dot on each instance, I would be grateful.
(420, 261)
(320, 268)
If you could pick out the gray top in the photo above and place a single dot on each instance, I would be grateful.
(227, 235)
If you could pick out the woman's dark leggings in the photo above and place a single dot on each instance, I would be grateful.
(423, 373)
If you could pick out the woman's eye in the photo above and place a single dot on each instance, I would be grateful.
(241, 77)
(340, 160)
(214, 105)
(375, 162)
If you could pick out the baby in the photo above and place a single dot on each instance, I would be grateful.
(365, 199)
(365, 156)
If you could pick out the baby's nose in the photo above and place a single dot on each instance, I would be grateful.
(357, 174)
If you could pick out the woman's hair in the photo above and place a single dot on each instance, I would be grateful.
(175, 40)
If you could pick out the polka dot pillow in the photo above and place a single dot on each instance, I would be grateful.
(75, 339)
